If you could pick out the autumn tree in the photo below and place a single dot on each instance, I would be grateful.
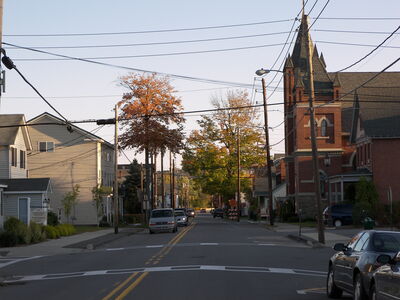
(70, 200)
(211, 152)
(150, 116)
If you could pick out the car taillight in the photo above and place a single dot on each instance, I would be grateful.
(152, 224)
(171, 222)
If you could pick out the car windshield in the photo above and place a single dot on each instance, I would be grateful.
(386, 242)
(179, 213)
(161, 213)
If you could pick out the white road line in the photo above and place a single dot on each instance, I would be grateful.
(154, 246)
(114, 272)
(209, 244)
(114, 249)
(14, 261)
(264, 244)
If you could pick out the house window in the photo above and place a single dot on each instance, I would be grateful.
(108, 156)
(22, 159)
(13, 156)
(46, 146)
(324, 128)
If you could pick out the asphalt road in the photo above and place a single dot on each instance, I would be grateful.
(210, 259)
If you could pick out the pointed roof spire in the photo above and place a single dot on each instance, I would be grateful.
(322, 59)
(288, 63)
(315, 51)
(336, 81)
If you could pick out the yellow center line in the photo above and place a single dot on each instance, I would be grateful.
(113, 292)
(132, 286)
(155, 259)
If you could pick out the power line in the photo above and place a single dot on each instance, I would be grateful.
(322, 10)
(182, 77)
(156, 43)
(359, 18)
(372, 51)
(352, 31)
(355, 44)
(156, 54)
(149, 31)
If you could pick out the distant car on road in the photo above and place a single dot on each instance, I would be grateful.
(352, 267)
(218, 212)
(385, 283)
(190, 212)
(203, 211)
(181, 218)
(162, 220)
(341, 214)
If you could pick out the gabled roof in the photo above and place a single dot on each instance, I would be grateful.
(377, 110)
(26, 184)
(8, 135)
(74, 127)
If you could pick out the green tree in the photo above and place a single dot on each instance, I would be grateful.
(130, 188)
(70, 200)
(98, 193)
(366, 200)
(211, 152)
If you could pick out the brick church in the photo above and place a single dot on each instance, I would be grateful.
(350, 133)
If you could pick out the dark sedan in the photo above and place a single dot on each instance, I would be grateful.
(385, 283)
(218, 212)
(351, 269)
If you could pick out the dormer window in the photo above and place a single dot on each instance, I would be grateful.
(324, 128)
(46, 146)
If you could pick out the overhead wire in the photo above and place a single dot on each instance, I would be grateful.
(149, 31)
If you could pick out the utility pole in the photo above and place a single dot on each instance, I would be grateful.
(162, 179)
(269, 173)
(238, 175)
(311, 98)
(2, 73)
(173, 183)
(116, 215)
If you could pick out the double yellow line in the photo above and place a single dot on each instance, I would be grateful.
(155, 259)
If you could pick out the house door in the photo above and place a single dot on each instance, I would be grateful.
(23, 210)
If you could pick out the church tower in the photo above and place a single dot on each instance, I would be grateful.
(300, 181)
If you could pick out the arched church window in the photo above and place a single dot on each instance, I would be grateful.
(324, 128)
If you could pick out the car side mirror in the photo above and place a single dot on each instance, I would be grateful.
(383, 259)
(339, 247)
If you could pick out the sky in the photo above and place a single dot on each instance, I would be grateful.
(82, 90)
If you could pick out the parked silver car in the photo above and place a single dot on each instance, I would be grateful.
(162, 220)
(385, 283)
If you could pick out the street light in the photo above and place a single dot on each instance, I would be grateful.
(262, 72)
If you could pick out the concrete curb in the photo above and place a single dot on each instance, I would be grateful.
(94, 243)
(302, 239)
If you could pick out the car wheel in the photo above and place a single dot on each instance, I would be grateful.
(359, 293)
(175, 229)
(337, 223)
(151, 231)
(332, 290)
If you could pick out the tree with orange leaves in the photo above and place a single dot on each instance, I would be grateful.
(148, 110)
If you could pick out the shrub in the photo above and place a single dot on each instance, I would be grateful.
(52, 218)
(8, 239)
(65, 229)
(103, 222)
(36, 231)
(20, 229)
(51, 232)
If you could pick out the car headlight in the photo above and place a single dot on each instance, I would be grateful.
(183, 218)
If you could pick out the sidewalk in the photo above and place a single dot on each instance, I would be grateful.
(309, 235)
(71, 244)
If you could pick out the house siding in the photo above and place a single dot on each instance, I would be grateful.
(17, 172)
(74, 161)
